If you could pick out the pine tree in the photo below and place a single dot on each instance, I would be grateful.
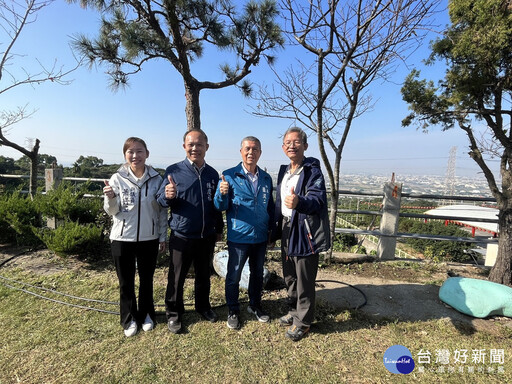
(476, 88)
(133, 32)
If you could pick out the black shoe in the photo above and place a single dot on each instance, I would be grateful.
(209, 315)
(259, 313)
(296, 333)
(233, 320)
(174, 326)
(286, 320)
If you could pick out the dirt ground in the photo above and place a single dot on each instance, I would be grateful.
(394, 290)
(402, 291)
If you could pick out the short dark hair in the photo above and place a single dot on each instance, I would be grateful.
(302, 134)
(196, 130)
(129, 141)
(251, 138)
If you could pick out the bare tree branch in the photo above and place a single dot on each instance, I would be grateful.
(15, 17)
(351, 44)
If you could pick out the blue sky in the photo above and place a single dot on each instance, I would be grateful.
(87, 118)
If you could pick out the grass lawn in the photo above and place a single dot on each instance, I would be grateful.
(46, 342)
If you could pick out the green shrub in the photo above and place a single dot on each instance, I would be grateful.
(358, 249)
(73, 238)
(435, 249)
(343, 242)
(18, 217)
(67, 203)
(81, 221)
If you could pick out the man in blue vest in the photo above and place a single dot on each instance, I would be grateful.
(245, 193)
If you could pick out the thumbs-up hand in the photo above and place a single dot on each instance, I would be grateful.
(223, 186)
(170, 189)
(291, 200)
(108, 191)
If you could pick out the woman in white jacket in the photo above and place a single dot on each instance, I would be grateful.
(138, 233)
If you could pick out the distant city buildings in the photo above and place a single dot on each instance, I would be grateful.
(432, 185)
(411, 184)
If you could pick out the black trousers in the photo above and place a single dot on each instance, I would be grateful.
(184, 252)
(129, 257)
(299, 274)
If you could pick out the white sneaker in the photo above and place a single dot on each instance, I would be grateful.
(131, 330)
(148, 324)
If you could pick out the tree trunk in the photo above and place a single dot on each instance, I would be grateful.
(502, 271)
(192, 108)
(33, 156)
(335, 198)
(332, 220)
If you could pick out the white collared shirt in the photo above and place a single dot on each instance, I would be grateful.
(289, 180)
(198, 169)
(253, 178)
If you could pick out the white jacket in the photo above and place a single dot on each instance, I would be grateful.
(136, 214)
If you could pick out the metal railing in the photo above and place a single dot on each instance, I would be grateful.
(390, 236)
(474, 239)
(376, 235)
(64, 178)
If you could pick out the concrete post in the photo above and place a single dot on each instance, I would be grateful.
(53, 177)
(491, 255)
(389, 222)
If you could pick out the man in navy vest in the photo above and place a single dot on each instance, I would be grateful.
(301, 214)
(188, 189)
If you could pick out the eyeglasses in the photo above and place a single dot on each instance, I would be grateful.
(295, 143)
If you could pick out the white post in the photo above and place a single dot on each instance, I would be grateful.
(53, 177)
(389, 221)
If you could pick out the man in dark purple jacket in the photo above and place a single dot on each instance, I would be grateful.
(301, 213)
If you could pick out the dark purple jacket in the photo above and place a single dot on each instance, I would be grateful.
(309, 228)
